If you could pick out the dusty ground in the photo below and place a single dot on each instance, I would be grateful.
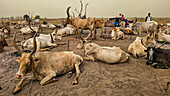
(133, 78)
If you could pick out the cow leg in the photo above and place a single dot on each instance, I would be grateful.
(103, 31)
(77, 74)
(69, 74)
(18, 86)
(47, 80)
(123, 36)
(77, 33)
(53, 45)
(93, 34)
(160, 66)
(167, 86)
(45, 49)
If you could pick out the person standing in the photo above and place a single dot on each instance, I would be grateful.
(122, 18)
(148, 18)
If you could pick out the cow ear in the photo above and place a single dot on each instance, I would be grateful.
(18, 59)
(36, 60)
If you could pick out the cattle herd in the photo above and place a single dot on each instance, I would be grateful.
(44, 64)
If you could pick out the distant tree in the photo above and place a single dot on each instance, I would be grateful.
(37, 17)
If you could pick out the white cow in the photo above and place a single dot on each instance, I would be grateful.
(117, 34)
(27, 30)
(106, 54)
(44, 40)
(163, 37)
(69, 30)
(139, 27)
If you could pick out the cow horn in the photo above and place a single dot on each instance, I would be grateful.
(88, 35)
(68, 14)
(160, 45)
(73, 15)
(31, 28)
(81, 38)
(34, 45)
(14, 44)
(143, 43)
(81, 8)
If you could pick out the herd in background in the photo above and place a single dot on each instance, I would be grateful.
(152, 46)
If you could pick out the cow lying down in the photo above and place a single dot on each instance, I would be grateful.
(44, 66)
(158, 57)
(117, 34)
(137, 47)
(44, 40)
(69, 30)
(105, 54)
(27, 30)
(163, 37)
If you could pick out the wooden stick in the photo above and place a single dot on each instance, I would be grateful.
(68, 45)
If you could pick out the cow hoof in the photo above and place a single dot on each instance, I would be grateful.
(75, 82)
(16, 90)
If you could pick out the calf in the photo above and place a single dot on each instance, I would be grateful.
(44, 66)
(117, 34)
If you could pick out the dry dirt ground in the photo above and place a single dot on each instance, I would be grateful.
(133, 78)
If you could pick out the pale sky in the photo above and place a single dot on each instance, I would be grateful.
(96, 8)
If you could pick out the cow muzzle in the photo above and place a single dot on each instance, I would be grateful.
(18, 76)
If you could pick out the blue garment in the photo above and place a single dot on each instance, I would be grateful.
(115, 23)
(29, 19)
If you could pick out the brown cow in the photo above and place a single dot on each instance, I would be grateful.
(100, 23)
(80, 23)
(45, 65)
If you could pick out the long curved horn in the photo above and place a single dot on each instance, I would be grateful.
(81, 8)
(160, 45)
(73, 15)
(31, 28)
(143, 43)
(14, 44)
(76, 10)
(85, 11)
(88, 35)
(34, 45)
(68, 14)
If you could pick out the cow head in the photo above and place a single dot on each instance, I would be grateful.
(56, 36)
(149, 39)
(82, 42)
(151, 53)
(26, 60)
(90, 48)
